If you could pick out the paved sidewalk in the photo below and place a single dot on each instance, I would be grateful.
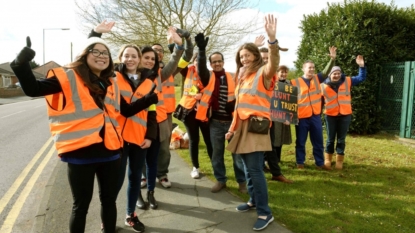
(188, 206)
(16, 99)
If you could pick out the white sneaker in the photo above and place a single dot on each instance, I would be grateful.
(143, 182)
(165, 182)
(195, 173)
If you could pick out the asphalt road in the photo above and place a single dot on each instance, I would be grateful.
(27, 158)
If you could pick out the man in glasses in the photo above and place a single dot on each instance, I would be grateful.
(216, 108)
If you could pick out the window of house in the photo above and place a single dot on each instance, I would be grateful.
(7, 81)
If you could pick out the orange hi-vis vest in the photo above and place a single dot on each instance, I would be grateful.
(192, 86)
(77, 124)
(169, 94)
(160, 106)
(252, 97)
(134, 127)
(204, 104)
(339, 103)
(309, 98)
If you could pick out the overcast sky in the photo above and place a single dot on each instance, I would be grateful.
(21, 18)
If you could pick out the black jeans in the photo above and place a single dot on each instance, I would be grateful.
(273, 158)
(81, 180)
(192, 127)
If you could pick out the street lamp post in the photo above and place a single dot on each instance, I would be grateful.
(44, 42)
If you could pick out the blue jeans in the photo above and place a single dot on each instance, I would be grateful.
(337, 126)
(136, 159)
(313, 126)
(218, 129)
(151, 164)
(257, 185)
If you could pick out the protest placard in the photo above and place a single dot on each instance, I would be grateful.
(284, 105)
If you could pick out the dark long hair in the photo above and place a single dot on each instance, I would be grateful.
(256, 64)
(80, 66)
(146, 49)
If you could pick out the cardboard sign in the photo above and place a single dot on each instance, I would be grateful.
(284, 105)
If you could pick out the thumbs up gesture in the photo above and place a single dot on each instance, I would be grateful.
(27, 54)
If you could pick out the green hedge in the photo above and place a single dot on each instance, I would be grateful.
(381, 33)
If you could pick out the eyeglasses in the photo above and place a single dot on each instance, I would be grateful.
(158, 50)
(214, 62)
(97, 53)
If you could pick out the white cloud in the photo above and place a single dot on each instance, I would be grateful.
(21, 18)
(288, 32)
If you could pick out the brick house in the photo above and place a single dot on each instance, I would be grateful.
(8, 79)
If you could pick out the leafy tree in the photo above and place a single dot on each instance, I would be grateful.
(33, 64)
(146, 21)
(381, 33)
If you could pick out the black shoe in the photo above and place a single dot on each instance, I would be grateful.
(151, 200)
(133, 222)
(140, 202)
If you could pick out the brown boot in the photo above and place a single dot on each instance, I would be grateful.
(242, 188)
(339, 162)
(217, 187)
(323, 167)
(327, 159)
(282, 179)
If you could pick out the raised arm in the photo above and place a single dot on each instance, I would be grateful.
(188, 51)
(202, 69)
(273, 54)
(103, 27)
(333, 54)
(32, 87)
(171, 66)
(362, 71)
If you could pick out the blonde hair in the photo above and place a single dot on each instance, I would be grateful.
(124, 47)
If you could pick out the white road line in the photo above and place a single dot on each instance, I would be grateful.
(11, 114)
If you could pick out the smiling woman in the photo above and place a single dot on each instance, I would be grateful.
(85, 112)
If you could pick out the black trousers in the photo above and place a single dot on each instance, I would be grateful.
(81, 180)
(273, 158)
(192, 127)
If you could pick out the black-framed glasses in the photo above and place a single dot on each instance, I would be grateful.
(97, 53)
(159, 50)
(219, 62)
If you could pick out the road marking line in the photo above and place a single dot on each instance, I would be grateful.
(11, 114)
(12, 190)
(17, 207)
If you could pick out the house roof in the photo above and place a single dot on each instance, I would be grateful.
(3, 71)
(8, 70)
(43, 69)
